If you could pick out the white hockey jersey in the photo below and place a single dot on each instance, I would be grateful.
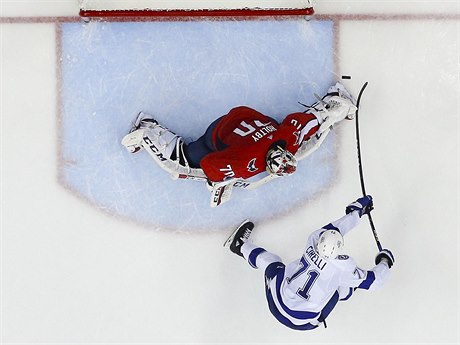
(302, 290)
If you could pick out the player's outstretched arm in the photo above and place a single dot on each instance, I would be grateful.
(372, 279)
(353, 212)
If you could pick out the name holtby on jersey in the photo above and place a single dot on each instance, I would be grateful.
(263, 132)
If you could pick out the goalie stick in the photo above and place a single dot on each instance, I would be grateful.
(360, 165)
(222, 191)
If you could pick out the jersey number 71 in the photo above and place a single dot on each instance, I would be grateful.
(312, 275)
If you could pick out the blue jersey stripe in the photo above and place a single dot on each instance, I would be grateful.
(330, 227)
(276, 313)
(366, 284)
(350, 292)
(329, 306)
(253, 256)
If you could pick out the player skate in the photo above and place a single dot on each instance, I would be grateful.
(164, 146)
(239, 237)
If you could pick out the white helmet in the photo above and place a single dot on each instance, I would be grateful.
(280, 161)
(330, 244)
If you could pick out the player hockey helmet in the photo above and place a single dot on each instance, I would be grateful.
(280, 161)
(330, 244)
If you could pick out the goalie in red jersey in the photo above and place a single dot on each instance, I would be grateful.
(241, 144)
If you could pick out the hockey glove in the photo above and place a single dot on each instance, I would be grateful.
(385, 255)
(363, 205)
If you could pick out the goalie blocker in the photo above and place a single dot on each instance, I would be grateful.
(241, 144)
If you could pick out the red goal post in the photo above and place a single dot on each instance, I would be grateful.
(187, 8)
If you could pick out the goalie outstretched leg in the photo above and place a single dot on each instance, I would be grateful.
(163, 145)
(338, 97)
(335, 106)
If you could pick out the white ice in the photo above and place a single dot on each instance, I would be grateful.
(72, 273)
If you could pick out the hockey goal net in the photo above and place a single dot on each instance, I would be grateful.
(151, 8)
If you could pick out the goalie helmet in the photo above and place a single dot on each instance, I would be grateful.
(330, 244)
(280, 161)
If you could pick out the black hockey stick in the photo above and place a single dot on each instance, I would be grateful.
(360, 165)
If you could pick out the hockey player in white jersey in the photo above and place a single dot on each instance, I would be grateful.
(301, 294)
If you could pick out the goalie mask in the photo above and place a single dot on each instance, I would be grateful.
(330, 244)
(280, 161)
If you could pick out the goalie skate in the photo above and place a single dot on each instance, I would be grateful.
(132, 141)
(239, 237)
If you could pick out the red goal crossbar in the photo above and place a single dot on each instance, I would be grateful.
(207, 8)
(195, 13)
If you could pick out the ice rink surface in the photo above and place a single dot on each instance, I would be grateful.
(186, 74)
(76, 272)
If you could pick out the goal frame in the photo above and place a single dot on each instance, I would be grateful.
(257, 8)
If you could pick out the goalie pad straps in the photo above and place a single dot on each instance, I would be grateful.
(182, 167)
(166, 148)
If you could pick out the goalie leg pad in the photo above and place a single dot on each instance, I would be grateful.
(333, 105)
(164, 146)
(161, 141)
(167, 149)
(339, 109)
(339, 90)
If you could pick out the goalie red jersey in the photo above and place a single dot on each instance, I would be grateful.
(241, 139)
